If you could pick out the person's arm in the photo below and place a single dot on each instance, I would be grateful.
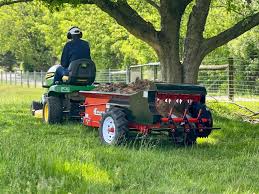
(65, 56)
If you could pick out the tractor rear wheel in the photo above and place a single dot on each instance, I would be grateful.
(113, 129)
(53, 110)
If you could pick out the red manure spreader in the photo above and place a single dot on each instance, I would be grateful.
(118, 109)
(177, 110)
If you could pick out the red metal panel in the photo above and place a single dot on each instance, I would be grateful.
(184, 97)
(94, 108)
(179, 120)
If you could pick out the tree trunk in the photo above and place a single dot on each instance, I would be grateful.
(171, 68)
(173, 71)
(192, 60)
(191, 70)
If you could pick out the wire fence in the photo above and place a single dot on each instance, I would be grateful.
(224, 79)
(36, 79)
(232, 79)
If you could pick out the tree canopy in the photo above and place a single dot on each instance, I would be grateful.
(181, 33)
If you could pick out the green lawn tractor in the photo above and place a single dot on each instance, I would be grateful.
(62, 99)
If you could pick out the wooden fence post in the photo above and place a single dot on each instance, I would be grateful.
(127, 75)
(6, 79)
(15, 78)
(28, 79)
(34, 77)
(109, 74)
(1, 77)
(10, 77)
(231, 91)
(21, 79)
(41, 77)
(155, 72)
(141, 72)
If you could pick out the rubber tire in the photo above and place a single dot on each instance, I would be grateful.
(206, 113)
(55, 110)
(186, 139)
(121, 126)
(208, 124)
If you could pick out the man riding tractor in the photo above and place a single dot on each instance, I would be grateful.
(63, 82)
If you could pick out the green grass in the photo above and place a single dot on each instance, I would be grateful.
(39, 158)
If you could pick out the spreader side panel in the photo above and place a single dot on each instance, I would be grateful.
(94, 108)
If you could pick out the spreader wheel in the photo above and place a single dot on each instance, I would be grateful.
(183, 138)
(53, 110)
(113, 129)
(208, 124)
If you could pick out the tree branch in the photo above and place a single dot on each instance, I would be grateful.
(131, 20)
(231, 33)
(197, 19)
(195, 29)
(171, 16)
(151, 2)
(3, 3)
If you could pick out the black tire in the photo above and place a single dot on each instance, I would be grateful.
(53, 110)
(208, 124)
(190, 138)
(179, 137)
(118, 121)
(35, 106)
(205, 114)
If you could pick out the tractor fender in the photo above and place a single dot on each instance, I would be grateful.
(58, 90)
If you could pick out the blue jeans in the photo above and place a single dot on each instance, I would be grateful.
(60, 72)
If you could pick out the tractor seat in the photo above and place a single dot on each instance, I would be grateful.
(81, 72)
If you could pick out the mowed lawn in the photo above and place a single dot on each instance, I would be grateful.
(69, 158)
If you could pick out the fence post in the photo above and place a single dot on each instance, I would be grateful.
(21, 79)
(231, 78)
(10, 78)
(28, 79)
(109, 72)
(155, 72)
(34, 77)
(141, 72)
(41, 77)
(1, 77)
(6, 77)
(15, 78)
(127, 75)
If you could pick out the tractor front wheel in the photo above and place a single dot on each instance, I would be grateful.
(53, 110)
(114, 127)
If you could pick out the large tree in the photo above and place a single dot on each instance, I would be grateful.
(21, 35)
(165, 40)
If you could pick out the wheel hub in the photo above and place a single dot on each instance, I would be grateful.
(46, 112)
(108, 130)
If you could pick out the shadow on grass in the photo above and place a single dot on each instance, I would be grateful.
(234, 138)
(234, 134)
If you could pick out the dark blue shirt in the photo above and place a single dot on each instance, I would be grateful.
(74, 50)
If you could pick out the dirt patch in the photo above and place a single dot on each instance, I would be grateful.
(176, 109)
(123, 88)
(162, 107)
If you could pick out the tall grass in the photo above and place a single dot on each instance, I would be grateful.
(68, 158)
